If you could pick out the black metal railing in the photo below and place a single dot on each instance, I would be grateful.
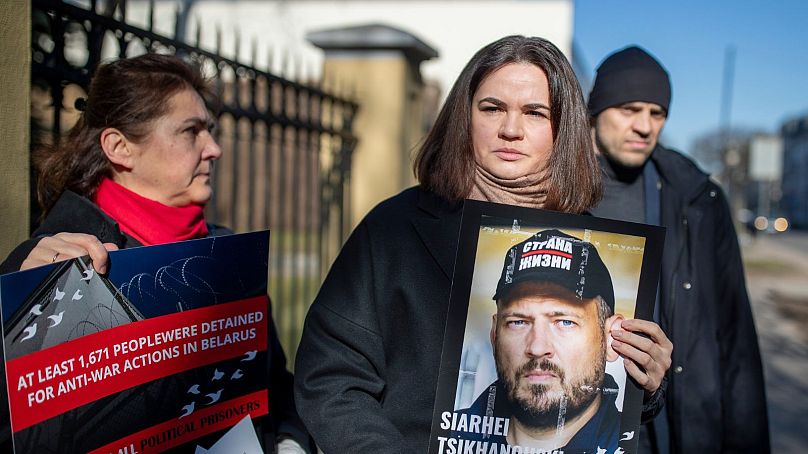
(286, 145)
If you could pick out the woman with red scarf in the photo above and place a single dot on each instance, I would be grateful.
(135, 171)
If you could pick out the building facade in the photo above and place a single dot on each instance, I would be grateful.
(795, 166)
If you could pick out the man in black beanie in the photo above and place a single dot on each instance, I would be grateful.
(715, 396)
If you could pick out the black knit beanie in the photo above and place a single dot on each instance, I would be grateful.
(628, 75)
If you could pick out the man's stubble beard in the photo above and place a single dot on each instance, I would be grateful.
(538, 410)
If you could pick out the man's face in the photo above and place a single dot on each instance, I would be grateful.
(550, 353)
(626, 134)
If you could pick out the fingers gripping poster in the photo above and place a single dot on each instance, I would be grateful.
(168, 351)
(527, 363)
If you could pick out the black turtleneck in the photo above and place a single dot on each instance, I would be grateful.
(623, 192)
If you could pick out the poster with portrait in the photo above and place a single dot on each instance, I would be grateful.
(166, 352)
(527, 364)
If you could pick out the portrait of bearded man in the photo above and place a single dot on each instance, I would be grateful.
(551, 338)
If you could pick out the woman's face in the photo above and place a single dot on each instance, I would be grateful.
(511, 130)
(173, 164)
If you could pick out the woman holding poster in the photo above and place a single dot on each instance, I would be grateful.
(514, 130)
(135, 171)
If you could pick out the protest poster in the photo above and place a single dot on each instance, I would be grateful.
(527, 364)
(168, 351)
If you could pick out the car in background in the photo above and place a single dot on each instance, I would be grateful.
(771, 225)
(755, 224)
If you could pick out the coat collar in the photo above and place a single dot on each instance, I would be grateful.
(680, 173)
(74, 213)
(438, 225)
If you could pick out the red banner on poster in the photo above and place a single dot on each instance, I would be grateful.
(52, 381)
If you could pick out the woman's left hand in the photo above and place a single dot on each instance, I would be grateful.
(648, 356)
(64, 246)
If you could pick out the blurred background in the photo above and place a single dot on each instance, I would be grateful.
(325, 102)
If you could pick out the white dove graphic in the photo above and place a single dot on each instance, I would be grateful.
(58, 295)
(29, 332)
(250, 355)
(217, 375)
(627, 436)
(88, 274)
(194, 389)
(36, 309)
(601, 450)
(236, 375)
(77, 296)
(214, 397)
(188, 409)
(619, 451)
(56, 318)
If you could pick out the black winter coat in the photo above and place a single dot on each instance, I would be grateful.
(715, 399)
(367, 366)
(76, 214)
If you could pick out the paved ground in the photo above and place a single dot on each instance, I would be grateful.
(777, 279)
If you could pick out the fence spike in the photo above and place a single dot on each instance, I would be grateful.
(151, 15)
(328, 82)
(237, 51)
(198, 31)
(285, 65)
(177, 25)
(305, 72)
(314, 80)
(254, 53)
(299, 69)
(270, 59)
(218, 39)
(108, 9)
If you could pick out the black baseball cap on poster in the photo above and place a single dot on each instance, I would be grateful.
(562, 259)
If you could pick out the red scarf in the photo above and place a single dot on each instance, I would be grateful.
(148, 221)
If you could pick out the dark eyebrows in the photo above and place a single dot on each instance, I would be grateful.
(633, 105)
(536, 106)
(515, 314)
(637, 106)
(564, 314)
(502, 105)
(556, 313)
(206, 123)
(493, 101)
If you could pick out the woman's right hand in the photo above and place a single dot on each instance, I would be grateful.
(65, 246)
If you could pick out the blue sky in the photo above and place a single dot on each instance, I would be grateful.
(690, 39)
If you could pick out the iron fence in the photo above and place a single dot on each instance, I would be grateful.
(286, 145)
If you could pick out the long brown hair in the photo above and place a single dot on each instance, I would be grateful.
(445, 162)
(128, 95)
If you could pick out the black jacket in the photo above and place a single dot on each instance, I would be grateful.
(76, 214)
(367, 365)
(715, 397)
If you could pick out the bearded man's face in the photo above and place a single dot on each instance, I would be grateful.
(550, 353)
